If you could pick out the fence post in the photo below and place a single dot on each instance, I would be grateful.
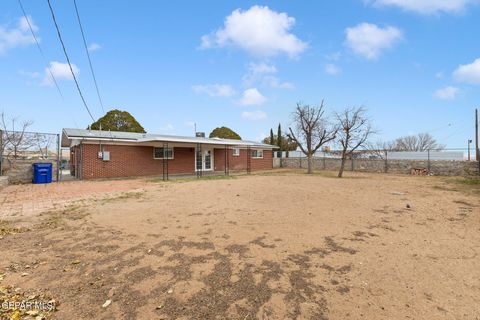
(1, 152)
(58, 157)
(478, 161)
(386, 161)
(428, 161)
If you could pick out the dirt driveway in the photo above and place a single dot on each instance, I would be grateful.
(273, 246)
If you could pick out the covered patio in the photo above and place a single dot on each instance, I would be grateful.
(101, 154)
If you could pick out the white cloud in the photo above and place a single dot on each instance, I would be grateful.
(426, 6)
(24, 27)
(20, 35)
(469, 73)
(61, 71)
(369, 40)
(94, 47)
(252, 97)
(439, 75)
(214, 90)
(332, 69)
(263, 73)
(259, 31)
(274, 82)
(261, 68)
(447, 93)
(254, 115)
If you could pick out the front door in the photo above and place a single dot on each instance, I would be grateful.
(204, 159)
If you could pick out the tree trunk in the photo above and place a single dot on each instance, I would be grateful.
(310, 164)
(342, 164)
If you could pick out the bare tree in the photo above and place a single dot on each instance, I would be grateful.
(379, 149)
(311, 130)
(14, 138)
(354, 131)
(43, 142)
(419, 142)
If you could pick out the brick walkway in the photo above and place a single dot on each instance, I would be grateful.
(31, 199)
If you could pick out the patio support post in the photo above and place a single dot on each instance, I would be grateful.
(165, 161)
(226, 160)
(249, 160)
(198, 152)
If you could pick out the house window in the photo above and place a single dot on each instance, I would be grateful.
(257, 153)
(236, 152)
(163, 153)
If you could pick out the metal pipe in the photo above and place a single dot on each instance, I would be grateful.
(428, 161)
(386, 161)
(58, 157)
(226, 156)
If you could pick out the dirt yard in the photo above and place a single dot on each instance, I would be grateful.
(270, 246)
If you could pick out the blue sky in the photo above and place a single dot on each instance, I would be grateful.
(245, 65)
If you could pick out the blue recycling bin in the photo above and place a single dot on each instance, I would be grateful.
(42, 173)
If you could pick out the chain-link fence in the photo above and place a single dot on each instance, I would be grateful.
(452, 161)
(20, 149)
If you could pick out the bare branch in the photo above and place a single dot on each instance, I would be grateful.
(355, 130)
(13, 139)
(420, 142)
(311, 129)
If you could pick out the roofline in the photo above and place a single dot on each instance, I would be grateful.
(168, 138)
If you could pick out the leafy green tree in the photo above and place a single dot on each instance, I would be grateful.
(272, 138)
(224, 133)
(118, 120)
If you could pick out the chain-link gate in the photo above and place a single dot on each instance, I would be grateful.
(19, 150)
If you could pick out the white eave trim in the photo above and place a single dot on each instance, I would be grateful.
(209, 141)
(230, 143)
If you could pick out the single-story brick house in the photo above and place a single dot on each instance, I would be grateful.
(107, 154)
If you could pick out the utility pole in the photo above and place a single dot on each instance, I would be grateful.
(476, 136)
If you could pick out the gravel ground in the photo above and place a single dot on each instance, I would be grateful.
(284, 245)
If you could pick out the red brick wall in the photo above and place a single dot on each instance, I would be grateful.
(240, 162)
(129, 161)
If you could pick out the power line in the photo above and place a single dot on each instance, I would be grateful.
(44, 58)
(461, 129)
(88, 55)
(39, 48)
(68, 60)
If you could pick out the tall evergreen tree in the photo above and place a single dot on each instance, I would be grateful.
(272, 139)
(279, 137)
(279, 140)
